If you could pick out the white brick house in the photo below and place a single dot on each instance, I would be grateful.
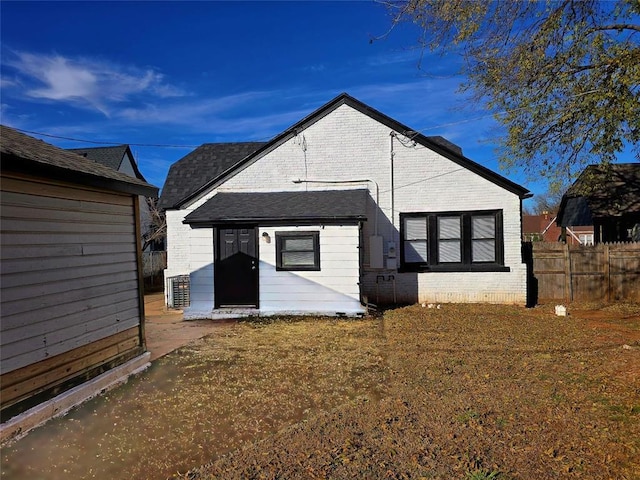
(347, 207)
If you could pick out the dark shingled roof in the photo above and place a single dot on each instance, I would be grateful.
(108, 156)
(601, 191)
(325, 206)
(26, 154)
(180, 190)
(205, 163)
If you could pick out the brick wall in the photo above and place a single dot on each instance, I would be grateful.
(348, 145)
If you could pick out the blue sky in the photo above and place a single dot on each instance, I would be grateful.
(183, 73)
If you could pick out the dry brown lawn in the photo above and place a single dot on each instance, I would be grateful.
(461, 392)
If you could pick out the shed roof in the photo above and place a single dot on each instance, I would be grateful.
(111, 157)
(601, 191)
(196, 169)
(321, 206)
(25, 154)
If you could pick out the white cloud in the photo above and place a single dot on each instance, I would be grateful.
(228, 115)
(409, 55)
(89, 82)
(320, 67)
(7, 83)
(187, 112)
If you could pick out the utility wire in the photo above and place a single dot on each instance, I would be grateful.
(105, 143)
(502, 112)
(162, 145)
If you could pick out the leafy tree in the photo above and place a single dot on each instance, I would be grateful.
(549, 201)
(563, 76)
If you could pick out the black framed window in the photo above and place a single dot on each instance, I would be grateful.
(297, 251)
(449, 239)
(416, 240)
(452, 241)
(483, 238)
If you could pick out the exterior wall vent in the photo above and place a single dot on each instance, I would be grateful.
(179, 291)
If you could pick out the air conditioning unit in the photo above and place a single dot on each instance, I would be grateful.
(179, 291)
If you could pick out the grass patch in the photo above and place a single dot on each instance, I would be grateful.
(466, 391)
(483, 475)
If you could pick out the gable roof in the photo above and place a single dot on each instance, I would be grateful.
(437, 144)
(196, 169)
(300, 207)
(111, 157)
(537, 223)
(24, 154)
(601, 191)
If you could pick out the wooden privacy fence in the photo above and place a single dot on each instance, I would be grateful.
(608, 272)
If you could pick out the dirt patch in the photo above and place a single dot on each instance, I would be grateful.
(421, 393)
(474, 392)
(243, 383)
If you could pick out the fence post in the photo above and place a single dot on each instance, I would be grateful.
(568, 280)
(607, 273)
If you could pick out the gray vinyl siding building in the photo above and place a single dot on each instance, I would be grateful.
(71, 299)
(121, 159)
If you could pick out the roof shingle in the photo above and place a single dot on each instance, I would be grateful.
(24, 153)
(347, 206)
(204, 164)
(108, 156)
(608, 190)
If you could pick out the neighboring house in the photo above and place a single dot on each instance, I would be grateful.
(121, 158)
(543, 228)
(606, 198)
(71, 296)
(346, 208)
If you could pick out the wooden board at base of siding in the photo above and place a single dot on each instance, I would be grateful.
(47, 374)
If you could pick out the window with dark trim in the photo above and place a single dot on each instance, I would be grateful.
(297, 251)
(452, 241)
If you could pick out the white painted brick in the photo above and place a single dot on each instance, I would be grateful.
(348, 145)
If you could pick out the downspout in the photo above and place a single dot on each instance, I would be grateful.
(393, 214)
